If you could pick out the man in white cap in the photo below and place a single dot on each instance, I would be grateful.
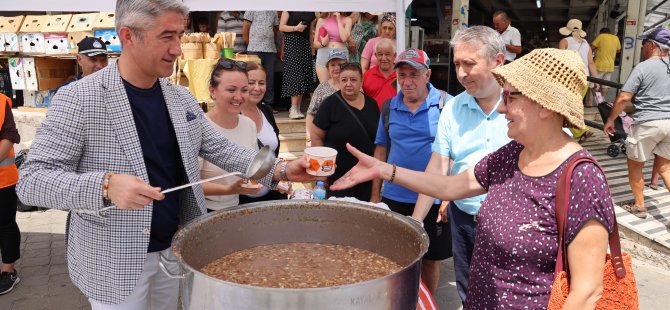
(649, 136)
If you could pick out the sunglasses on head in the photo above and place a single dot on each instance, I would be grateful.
(230, 64)
(349, 65)
(507, 93)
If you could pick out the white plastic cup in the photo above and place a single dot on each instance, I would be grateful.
(321, 160)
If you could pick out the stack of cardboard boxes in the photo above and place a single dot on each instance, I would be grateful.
(41, 37)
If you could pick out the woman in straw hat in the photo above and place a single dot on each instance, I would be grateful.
(516, 240)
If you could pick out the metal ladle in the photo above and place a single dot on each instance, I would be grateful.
(259, 167)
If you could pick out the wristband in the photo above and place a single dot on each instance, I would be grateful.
(393, 173)
(282, 171)
(105, 185)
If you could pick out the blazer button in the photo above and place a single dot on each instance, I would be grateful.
(146, 231)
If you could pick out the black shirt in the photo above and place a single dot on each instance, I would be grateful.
(294, 18)
(340, 127)
(161, 158)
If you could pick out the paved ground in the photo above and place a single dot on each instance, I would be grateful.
(46, 285)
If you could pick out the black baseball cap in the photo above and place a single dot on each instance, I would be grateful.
(92, 46)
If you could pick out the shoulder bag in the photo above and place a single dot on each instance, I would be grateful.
(619, 286)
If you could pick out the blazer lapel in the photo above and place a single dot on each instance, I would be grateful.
(123, 123)
(179, 117)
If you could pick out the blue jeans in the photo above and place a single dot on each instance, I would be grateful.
(268, 62)
(462, 243)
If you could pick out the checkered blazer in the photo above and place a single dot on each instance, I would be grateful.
(89, 130)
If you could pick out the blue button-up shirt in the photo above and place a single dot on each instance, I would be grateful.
(466, 134)
(412, 136)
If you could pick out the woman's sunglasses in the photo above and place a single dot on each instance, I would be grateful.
(230, 64)
(507, 93)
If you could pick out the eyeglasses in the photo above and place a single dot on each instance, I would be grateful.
(507, 93)
(231, 64)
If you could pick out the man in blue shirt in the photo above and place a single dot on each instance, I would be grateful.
(469, 128)
(412, 123)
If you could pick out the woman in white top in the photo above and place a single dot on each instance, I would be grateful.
(575, 41)
(267, 131)
(229, 88)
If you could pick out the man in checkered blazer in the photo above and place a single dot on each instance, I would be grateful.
(117, 137)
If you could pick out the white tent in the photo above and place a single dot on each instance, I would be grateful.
(398, 6)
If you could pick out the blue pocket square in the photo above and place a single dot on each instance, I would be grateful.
(190, 116)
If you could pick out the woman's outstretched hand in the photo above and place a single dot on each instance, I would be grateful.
(367, 168)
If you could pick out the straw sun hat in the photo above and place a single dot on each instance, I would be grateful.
(551, 77)
(573, 25)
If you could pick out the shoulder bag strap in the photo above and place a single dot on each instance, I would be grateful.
(562, 200)
(346, 106)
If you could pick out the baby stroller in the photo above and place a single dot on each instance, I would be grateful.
(618, 140)
(621, 124)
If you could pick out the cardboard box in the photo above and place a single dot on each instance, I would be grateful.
(105, 20)
(82, 22)
(57, 43)
(9, 28)
(110, 38)
(43, 98)
(81, 26)
(29, 98)
(47, 73)
(31, 36)
(16, 74)
(29, 73)
(57, 23)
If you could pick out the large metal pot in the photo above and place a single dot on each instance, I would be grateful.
(387, 233)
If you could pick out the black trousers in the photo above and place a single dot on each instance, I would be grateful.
(10, 236)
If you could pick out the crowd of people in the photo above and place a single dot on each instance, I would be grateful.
(479, 169)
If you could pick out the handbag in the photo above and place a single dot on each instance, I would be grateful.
(346, 106)
(619, 286)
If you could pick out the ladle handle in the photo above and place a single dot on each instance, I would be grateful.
(200, 182)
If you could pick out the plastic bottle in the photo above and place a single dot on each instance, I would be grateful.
(319, 191)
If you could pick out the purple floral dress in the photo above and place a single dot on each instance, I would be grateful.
(517, 240)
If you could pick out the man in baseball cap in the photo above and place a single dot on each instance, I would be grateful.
(405, 134)
(647, 88)
(92, 55)
(416, 58)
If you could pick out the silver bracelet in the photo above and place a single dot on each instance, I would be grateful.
(282, 171)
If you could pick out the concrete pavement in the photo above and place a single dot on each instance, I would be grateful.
(45, 283)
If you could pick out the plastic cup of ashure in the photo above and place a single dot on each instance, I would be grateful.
(321, 160)
(251, 184)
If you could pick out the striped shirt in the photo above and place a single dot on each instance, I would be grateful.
(230, 23)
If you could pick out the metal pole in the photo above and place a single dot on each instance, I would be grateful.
(629, 39)
(641, 17)
(400, 26)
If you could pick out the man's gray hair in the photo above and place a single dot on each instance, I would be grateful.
(139, 15)
(385, 43)
(501, 13)
(490, 40)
